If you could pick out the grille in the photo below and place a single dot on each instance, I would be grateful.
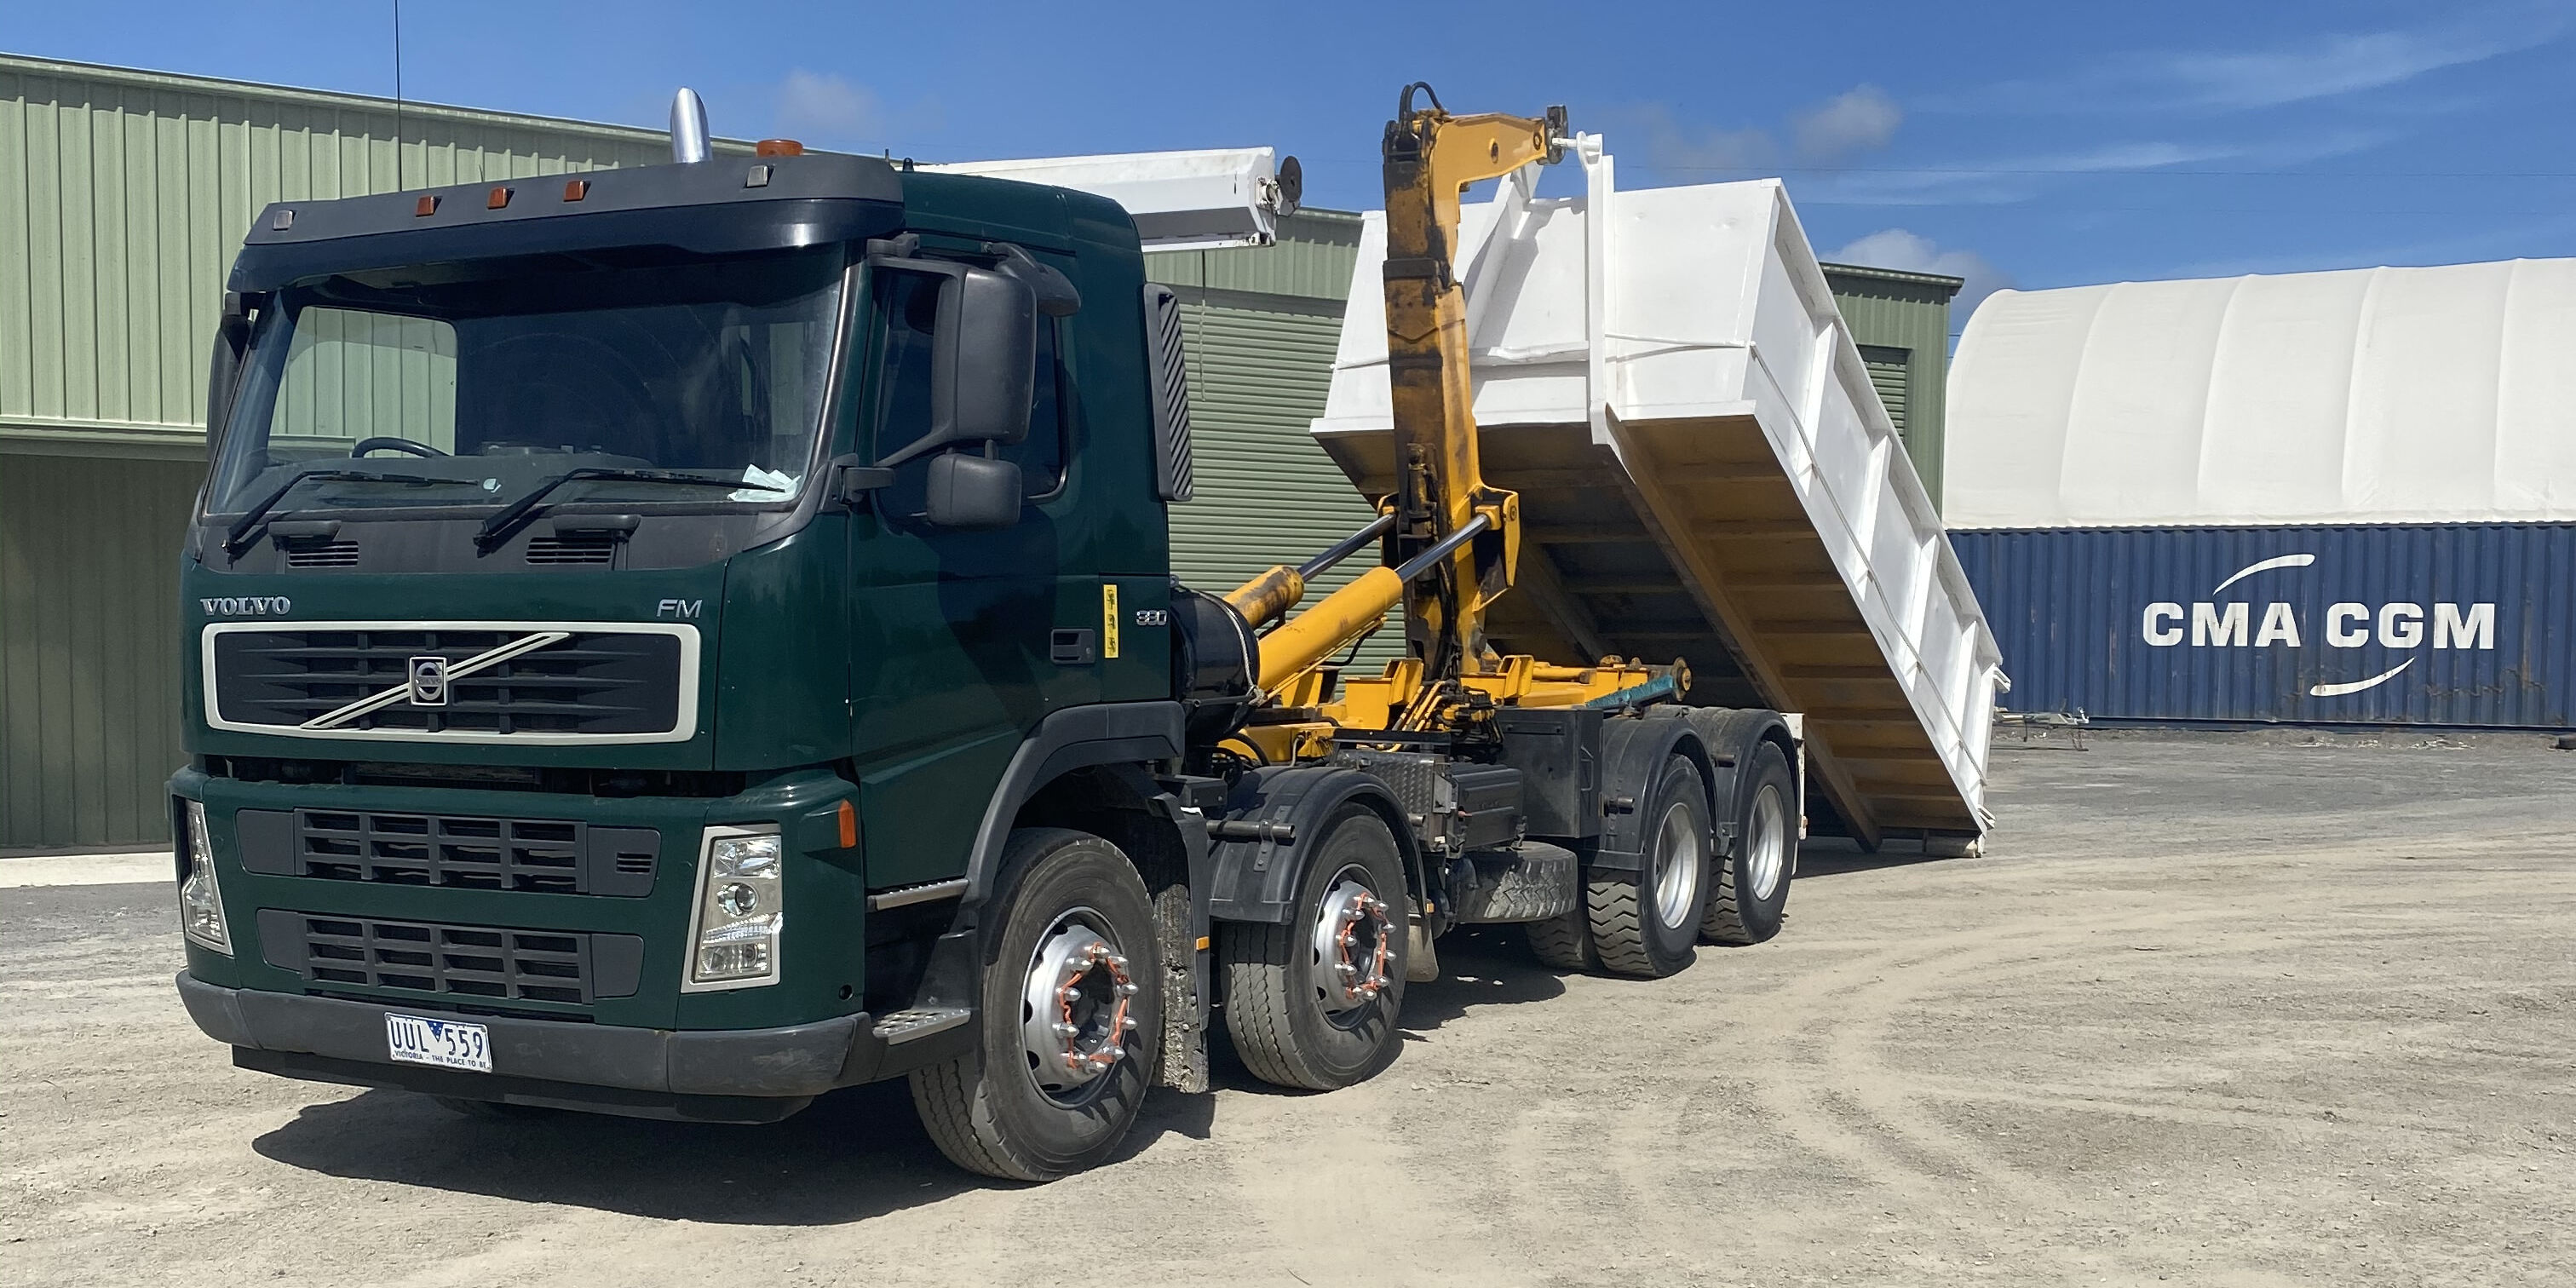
(543, 856)
(487, 962)
(584, 549)
(322, 554)
(595, 682)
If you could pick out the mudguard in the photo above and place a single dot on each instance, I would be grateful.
(1731, 735)
(1633, 751)
(1259, 848)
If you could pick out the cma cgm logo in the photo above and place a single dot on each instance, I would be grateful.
(2212, 623)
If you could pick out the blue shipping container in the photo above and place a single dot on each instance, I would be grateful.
(2446, 625)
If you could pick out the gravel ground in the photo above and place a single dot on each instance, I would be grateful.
(2212, 1011)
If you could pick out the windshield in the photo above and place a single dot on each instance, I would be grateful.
(497, 381)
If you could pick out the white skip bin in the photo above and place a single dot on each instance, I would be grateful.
(1705, 473)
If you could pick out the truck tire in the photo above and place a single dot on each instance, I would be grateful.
(1312, 1003)
(1565, 942)
(1647, 925)
(1070, 1020)
(1752, 894)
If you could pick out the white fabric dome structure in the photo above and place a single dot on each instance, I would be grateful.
(2378, 395)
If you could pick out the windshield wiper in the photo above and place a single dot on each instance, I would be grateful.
(520, 513)
(248, 526)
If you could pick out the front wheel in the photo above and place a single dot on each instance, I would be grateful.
(1312, 1004)
(1070, 1021)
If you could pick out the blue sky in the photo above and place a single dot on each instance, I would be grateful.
(2033, 144)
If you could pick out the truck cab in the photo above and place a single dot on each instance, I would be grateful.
(677, 641)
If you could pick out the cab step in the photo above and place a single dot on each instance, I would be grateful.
(920, 1022)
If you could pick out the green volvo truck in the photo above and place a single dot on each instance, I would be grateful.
(678, 641)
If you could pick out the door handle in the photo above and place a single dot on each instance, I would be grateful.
(1072, 648)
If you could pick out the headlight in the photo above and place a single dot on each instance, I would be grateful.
(738, 918)
(201, 904)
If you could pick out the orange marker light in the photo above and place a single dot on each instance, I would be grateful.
(849, 827)
(426, 206)
(500, 197)
(576, 189)
(778, 148)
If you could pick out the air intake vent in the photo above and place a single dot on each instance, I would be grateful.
(582, 548)
(322, 554)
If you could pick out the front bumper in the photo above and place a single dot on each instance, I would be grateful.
(747, 1075)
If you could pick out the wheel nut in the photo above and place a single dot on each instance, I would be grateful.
(1117, 962)
(1066, 1030)
(1127, 990)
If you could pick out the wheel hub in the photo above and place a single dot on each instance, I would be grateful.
(1767, 850)
(1678, 844)
(1354, 945)
(1075, 1018)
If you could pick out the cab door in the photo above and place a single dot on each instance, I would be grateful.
(961, 641)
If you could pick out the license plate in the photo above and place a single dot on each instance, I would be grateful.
(448, 1044)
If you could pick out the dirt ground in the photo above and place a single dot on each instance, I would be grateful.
(2212, 1012)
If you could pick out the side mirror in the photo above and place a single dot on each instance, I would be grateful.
(972, 493)
(984, 358)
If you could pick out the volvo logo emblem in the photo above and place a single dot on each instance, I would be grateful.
(428, 681)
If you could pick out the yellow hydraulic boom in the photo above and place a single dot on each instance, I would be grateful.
(1454, 540)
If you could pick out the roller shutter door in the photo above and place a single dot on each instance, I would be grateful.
(1887, 371)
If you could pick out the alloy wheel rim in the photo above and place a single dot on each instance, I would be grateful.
(1679, 861)
(1768, 847)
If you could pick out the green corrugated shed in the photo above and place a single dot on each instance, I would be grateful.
(1261, 325)
(1901, 321)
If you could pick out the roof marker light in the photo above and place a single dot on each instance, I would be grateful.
(281, 221)
(499, 197)
(778, 148)
(576, 189)
(758, 178)
(425, 207)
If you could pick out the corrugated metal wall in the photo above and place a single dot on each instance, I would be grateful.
(123, 196)
(2448, 625)
(1908, 314)
(1261, 327)
(89, 628)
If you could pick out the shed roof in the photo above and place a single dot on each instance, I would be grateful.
(2377, 395)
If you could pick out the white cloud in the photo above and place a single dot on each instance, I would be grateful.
(1671, 145)
(2326, 66)
(829, 111)
(2336, 66)
(1910, 252)
(1861, 119)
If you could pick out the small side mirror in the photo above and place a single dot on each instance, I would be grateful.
(985, 357)
(972, 493)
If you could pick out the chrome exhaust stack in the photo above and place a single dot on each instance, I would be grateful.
(688, 127)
